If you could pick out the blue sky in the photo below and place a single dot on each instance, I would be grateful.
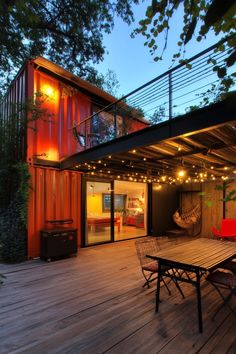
(131, 60)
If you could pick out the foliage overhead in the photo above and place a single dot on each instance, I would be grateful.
(68, 32)
(199, 17)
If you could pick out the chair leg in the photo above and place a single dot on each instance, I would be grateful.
(225, 300)
(148, 279)
(166, 286)
(179, 288)
(176, 282)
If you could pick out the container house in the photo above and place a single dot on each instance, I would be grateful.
(96, 160)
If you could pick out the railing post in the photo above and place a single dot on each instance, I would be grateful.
(85, 135)
(115, 124)
(170, 95)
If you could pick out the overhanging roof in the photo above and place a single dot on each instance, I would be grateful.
(60, 72)
(205, 137)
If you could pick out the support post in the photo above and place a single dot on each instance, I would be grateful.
(170, 95)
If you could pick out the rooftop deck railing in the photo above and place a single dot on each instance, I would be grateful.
(193, 84)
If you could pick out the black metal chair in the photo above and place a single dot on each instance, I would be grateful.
(150, 268)
(223, 280)
(230, 265)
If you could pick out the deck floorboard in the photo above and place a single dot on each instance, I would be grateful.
(94, 303)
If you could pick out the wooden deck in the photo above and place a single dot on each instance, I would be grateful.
(95, 303)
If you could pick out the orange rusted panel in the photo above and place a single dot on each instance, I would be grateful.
(51, 136)
(54, 195)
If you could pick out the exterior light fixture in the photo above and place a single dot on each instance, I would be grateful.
(48, 91)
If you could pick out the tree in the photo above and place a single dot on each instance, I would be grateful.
(107, 82)
(68, 32)
(199, 17)
(158, 115)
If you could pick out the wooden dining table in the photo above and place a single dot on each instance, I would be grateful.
(190, 261)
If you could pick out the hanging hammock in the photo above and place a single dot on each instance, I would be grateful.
(188, 218)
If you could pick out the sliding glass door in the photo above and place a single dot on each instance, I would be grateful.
(130, 209)
(98, 212)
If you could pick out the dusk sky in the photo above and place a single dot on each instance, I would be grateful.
(131, 60)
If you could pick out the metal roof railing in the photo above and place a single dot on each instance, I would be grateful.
(190, 85)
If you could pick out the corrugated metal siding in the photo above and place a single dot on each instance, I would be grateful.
(52, 135)
(54, 195)
(11, 113)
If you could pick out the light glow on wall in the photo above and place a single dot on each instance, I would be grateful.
(52, 155)
(49, 91)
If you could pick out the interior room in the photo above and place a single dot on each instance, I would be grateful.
(130, 209)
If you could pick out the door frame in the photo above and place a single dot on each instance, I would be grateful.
(86, 179)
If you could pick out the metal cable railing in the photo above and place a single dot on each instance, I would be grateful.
(175, 92)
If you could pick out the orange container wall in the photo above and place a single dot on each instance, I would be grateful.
(52, 136)
(54, 195)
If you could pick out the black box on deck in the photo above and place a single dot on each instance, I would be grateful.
(57, 242)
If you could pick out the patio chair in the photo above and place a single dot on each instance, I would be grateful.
(227, 230)
(230, 265)
(149, 268)
(222, 280)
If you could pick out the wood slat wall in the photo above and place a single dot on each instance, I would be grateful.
(211, 215)
(230, 207)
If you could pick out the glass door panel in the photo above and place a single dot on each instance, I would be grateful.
(130, 209)
(98, 212)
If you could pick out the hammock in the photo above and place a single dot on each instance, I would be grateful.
(187, 218)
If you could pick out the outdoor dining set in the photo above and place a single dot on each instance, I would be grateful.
(192, 262)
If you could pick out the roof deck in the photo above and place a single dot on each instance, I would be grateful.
(95, 303)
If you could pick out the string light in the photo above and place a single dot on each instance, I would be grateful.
(181, 173)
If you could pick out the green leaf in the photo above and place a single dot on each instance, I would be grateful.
(219, 187)
(208, 203)
(149, 12)
(216, 11)
(231, 59)
(221, 72)
(190, 30)
(202, 193)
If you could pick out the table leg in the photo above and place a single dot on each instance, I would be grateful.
(199, 304)
(158, 287)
